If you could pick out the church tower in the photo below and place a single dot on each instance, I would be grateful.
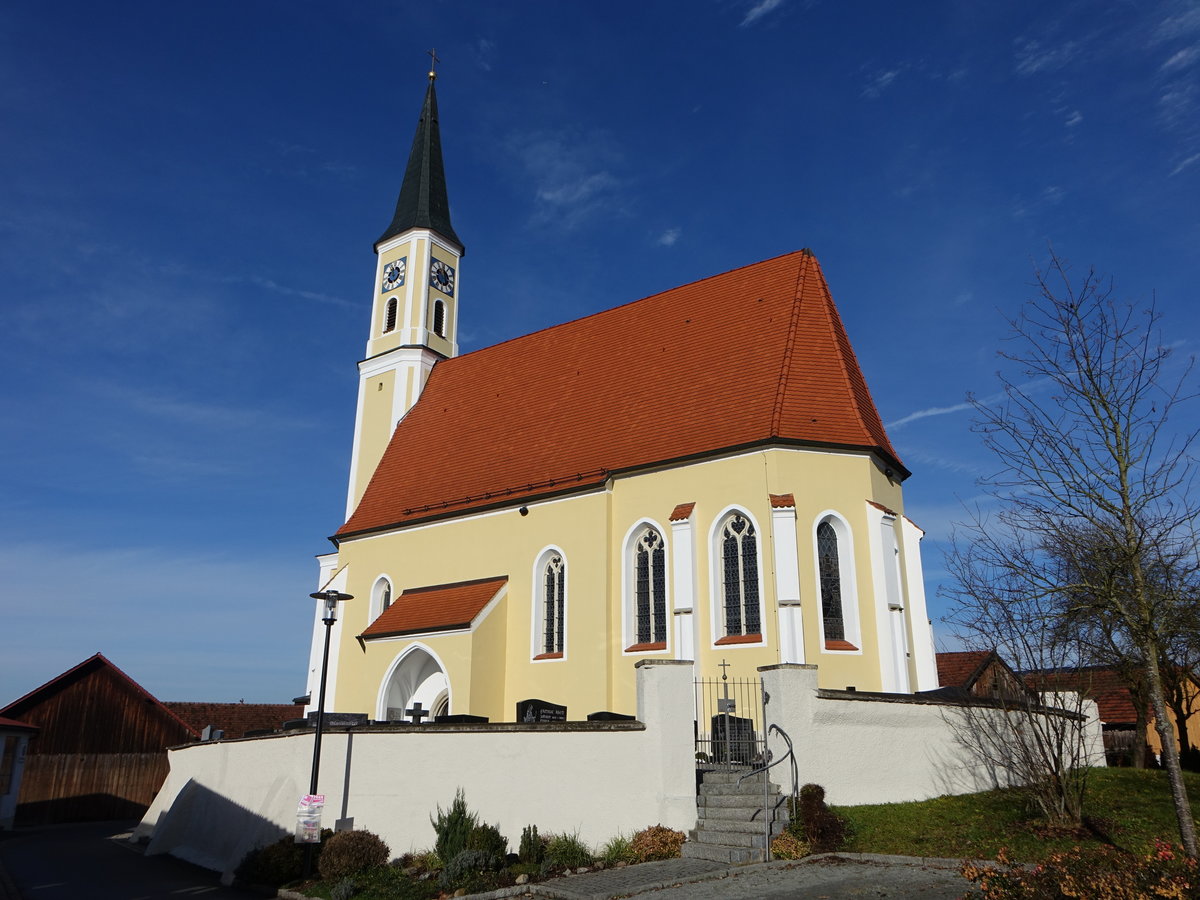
(414, 310)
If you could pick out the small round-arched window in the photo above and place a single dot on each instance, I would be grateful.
(389, 317)
(439, 318)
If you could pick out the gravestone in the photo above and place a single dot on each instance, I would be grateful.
(460, 719)
(540, 711)
(338, 719)
(740, 747)
(606, 716)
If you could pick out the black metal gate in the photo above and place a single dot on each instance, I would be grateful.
(730, 728)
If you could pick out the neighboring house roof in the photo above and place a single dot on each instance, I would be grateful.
(962, 668)
(39, 695)
(439, 607)
(14, 725)
(235, 719)
(1103, 685)
(751, 357)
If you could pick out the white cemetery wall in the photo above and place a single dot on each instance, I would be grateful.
(876, 750)
(223, 799)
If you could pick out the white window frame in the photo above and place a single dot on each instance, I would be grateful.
(382, 583)
(629, 588)
(847, 576)
(716, 579)
(537, 631)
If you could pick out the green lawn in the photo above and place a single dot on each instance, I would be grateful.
(1127, 808)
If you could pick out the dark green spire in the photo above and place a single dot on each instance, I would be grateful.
(423, 202)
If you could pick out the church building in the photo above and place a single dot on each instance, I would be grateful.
(697, 475)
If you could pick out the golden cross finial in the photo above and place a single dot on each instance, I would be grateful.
(434, 60)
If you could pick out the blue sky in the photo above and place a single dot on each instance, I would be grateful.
(189, 194)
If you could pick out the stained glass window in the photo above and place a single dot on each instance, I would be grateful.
(554, 605)
(829, 567)
(739, 577)
(650, 588)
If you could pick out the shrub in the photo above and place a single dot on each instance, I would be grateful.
(567, 851)
(533, 848)
(349, 852)
(343, 890)
(616, 851)
(453, 828)
(1101, 874)
(468, 870)
(276, 864)
(488, 839)
(656, 842)
(789, 846)
(814, 822)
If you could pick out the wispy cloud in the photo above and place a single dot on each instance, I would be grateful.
(571, 173)
(1177, 105)
(1181, 59)
(668, 237)
(1033, 56)
(1181, 25)
(485, 52)
(1074, 118)
(929, 411)
(760, 9)
(283, 289)
(1190, 161)
(880, 82)
(163, 406)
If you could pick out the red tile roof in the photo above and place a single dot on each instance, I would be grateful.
(783, 501)
(682, 511)
(440, 607)
(235, 719)
(961, 668)
(753, 356)
(1105, 686)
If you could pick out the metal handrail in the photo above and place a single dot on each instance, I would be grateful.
(766, 782)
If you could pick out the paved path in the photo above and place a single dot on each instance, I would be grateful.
(831, 877)
(91, 861)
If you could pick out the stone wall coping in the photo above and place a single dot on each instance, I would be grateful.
(444, 728)
(919, 700)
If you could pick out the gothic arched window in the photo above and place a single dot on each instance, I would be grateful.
(554, 606)
(740, 596)
(829, 568)
(650, 588)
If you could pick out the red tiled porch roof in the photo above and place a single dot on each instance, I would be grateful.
(753, 356)
(960, 668)
(439, 607)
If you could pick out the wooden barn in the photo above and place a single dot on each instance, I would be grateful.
(100, 748)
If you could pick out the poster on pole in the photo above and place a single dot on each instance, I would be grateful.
(308, 819)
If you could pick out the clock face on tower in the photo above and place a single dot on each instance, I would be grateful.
(441, 276)
(393, 274)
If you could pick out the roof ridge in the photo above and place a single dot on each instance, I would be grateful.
(613, 309)
(785, 368)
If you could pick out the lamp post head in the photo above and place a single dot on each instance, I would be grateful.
(332, 598)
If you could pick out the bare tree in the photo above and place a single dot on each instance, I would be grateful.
(1082, 434)
(1032, 738)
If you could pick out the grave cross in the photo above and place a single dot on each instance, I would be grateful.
(416, 713)
(723, 666)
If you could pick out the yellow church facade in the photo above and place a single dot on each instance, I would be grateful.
(697, 475)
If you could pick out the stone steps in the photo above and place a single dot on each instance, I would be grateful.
(731, 826)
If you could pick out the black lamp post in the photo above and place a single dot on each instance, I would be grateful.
(332, 598)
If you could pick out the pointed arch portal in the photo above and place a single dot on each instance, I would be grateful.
(417, 678)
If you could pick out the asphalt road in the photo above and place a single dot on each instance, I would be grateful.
(91, 861)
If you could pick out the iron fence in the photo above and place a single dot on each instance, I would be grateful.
(730, 730)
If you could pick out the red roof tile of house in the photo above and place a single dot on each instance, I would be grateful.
(1113, 700)
(440, 607)
(14, 724)
(750, 357)
(235, 719)
(783, 501)
(961, 668)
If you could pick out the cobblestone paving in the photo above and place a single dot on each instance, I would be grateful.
(833, 878)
